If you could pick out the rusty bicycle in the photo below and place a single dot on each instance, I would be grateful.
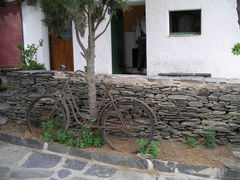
(122, 120)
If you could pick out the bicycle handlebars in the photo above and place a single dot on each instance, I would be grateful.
(83, 74)
(80, 72)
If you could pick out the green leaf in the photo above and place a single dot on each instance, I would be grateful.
(236, 49)
(191, 142)
(210, 141)
(151, 148)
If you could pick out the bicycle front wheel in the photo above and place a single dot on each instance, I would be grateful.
(127, 121)
(46, 116)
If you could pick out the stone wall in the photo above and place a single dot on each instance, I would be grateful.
(184, 106)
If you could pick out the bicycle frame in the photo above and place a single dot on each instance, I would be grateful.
(124, 118)
(66, 95)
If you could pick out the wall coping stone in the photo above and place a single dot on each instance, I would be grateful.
(165, 78)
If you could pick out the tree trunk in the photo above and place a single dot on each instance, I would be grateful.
(91, 84)
(91, 79)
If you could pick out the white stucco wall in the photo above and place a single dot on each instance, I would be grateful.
(209, 52)
(103, 60)
(103, 48)
(34, 30)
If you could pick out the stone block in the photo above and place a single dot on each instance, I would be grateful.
(230, 163)
(100, 171)
(30, 174)
(164, 166)
(227, 174)
(63, 173)
(193, 170)
(195, 104)
(80, 153)
(41, 160)
(236, 153)
(74, 164)
(4, 171)
(58, 148)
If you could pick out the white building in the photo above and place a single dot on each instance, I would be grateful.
(183, 36)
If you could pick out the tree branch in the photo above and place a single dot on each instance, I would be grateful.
(80, 43)
(104, 30)
(84, 56)
(85, 10)
(101, 19)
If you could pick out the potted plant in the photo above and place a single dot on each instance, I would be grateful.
(28, 57)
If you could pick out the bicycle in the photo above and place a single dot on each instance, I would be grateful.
(122, 120)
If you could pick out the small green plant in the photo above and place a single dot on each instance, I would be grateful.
(50, 129)
(28, 57)
(52, 132)
(236, 49)
(64, 137)
(210, 141)
(89, 138)
(191, 142)
(152, 149)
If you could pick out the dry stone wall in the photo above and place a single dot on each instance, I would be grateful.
(184, 106)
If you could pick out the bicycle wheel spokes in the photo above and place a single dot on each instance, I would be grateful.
(46, 114)
(137, 122)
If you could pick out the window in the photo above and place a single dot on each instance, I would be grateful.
(185, 22)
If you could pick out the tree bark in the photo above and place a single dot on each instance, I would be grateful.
(91, 79)
(91, 84)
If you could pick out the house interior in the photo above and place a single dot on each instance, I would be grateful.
(126, 51)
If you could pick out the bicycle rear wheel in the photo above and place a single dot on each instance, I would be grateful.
(138, 122)
(47, 112)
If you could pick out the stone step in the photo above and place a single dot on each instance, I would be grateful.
(3, 120)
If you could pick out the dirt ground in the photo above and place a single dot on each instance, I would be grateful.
(170, 150)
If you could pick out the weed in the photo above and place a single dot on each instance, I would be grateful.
(151, 148)
(50, 129)
(210, 141)
(52, 132)
(142, 142)
(191, 142)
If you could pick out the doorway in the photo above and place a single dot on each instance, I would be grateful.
(61, 50)
(11, 34)
(129, 41)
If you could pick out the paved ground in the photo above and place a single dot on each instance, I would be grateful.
(17, 162)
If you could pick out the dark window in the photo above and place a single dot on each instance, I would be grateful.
(185, 22)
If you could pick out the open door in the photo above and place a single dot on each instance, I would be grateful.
(61, 51)
(117, 27)
(129, 41)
